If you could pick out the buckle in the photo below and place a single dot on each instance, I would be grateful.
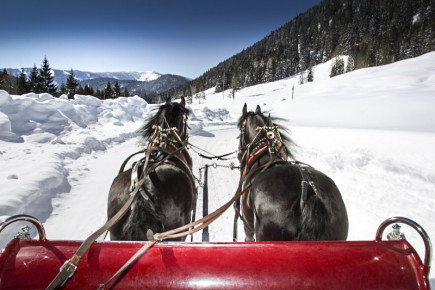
(69, 267)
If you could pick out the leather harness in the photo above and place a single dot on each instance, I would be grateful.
(149, 164)
(272, 143)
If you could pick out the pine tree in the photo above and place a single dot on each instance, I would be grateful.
(88, 90)
(23, 85)
(35, 81)
(234, 85)
(71, 85)
(310, 77)
(337, 67)
(99, 94)
(63, 89)
(126, 92)
(302, 78)
(3, 76)
(350, 64)
(8, 82)
(108, 92)
(47, 78)
(116, 90)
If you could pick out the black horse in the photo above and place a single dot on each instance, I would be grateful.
(167, 198)
(286, 200)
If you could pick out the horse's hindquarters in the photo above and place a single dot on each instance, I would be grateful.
(275, 198)
(176, 194)
(166, 202)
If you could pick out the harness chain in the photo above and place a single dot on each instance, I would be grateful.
(218, 157)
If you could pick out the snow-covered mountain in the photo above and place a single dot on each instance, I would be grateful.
(62, 75)
(138, 83)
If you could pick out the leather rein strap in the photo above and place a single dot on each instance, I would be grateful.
(70, 266)
(186, 229)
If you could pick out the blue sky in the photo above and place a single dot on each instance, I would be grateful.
(183, 37)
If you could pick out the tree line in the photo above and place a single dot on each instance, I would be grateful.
(42, 81)
(370, 32)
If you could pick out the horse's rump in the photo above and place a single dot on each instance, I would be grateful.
(275, 198)
(165, 202)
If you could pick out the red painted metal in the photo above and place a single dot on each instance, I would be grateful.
(32, 264)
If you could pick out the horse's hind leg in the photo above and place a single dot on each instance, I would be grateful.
(248, 219)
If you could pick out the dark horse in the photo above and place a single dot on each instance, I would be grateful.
(286, 200)
(167, 198)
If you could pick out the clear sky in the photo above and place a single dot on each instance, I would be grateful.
(183, 37)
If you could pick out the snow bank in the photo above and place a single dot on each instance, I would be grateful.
(371, 130)
(53, 131)
(42, 113)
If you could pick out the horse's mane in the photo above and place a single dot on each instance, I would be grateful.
(288, 142)
(173, 112)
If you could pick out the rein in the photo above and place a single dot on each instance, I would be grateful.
(184, 230)
(70, 266)
(211, 155)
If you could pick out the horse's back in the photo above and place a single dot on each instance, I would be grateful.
(276, 198)
(176, 190)
(169, 199)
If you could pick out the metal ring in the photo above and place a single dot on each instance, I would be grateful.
(27, 218)
(415, 226)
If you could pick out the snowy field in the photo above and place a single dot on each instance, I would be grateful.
(372, 131)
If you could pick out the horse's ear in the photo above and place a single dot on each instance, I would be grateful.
(183, 102)
(269, 121)
(245, 110)
(168, 100)
(258, 110)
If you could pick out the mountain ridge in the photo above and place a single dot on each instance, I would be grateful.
(60, 75)
(137, 83)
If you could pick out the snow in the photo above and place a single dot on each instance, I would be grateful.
(148, 76)
(372, 131)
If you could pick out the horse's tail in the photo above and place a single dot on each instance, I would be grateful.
(314, 218)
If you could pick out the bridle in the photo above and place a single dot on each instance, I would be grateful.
(267, 137)
(167, 139)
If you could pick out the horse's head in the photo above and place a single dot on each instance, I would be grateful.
(169, 115)
(248, 124)
(257, 131)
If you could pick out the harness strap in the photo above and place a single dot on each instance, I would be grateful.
(128, 158)
(307, 180)
(70, 266)
(181, 231)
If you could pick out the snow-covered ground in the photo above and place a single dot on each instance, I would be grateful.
(372, 131)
